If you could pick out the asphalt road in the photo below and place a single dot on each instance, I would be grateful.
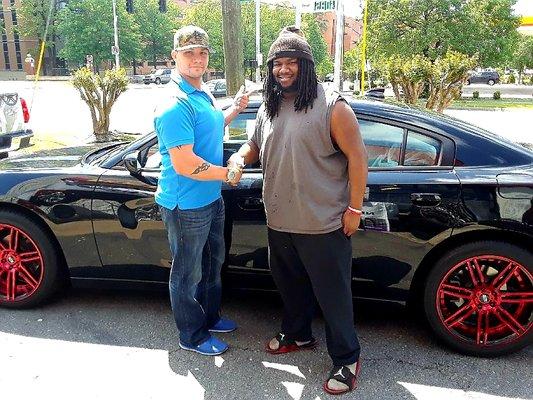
(94, 344)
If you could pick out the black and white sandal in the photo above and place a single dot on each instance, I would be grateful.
(287, 345)
(345, 376)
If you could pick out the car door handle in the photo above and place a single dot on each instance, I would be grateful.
(250, 203)
(425, 199)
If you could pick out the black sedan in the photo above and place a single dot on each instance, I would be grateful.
(447, 225)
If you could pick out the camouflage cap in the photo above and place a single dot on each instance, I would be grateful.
(190, 37)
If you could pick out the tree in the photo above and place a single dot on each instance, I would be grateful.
(314, 33)
(408, 73)
(273, 19)
(87, 28)
(352, 63)
(233, 47)
(100, 94)
(432, 27)
(32, 16)
(523, 56)
(156, 28)
(447, 77)
(207, 14)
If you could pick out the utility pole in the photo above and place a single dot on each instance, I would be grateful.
(258, 55)
(116, 49)
(339, 42)
(233, 46)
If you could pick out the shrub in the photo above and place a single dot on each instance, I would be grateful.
(356, 92)
(511, 79)
(497, 95)
(475, 95)
(100, 93)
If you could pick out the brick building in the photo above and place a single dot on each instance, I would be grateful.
(14, 47)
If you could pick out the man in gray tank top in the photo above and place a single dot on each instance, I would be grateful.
(314, 177)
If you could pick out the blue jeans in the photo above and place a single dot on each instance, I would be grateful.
(196, 240)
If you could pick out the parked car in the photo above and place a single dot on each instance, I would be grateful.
(218, 87)
(158, 77)
(488, 77)
(447, 224)
(14, 119)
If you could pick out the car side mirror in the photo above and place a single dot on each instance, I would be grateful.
(132, 164)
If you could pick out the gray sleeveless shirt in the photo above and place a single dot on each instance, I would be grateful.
(305, 178)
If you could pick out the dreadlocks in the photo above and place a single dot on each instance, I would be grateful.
(306, 88)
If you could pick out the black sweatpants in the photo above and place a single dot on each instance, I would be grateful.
(306, 266)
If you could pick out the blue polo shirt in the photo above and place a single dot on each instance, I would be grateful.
(188, 116)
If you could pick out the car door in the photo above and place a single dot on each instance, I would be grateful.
(246, 232)
(129, 232)
(411, 195)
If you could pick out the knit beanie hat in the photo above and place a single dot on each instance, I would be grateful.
(290, 43)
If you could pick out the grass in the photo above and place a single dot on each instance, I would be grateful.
(480, 104)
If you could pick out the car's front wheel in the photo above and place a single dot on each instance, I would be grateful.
(478, 298)
(158, 81)
(29, 265)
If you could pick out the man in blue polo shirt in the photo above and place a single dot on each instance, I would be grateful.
(190, 130)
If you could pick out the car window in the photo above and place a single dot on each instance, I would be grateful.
(221, 86)
(241, 128)
(383, 143)
(421, 150)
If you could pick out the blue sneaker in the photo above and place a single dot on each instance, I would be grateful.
(210, 347)
(224, 325)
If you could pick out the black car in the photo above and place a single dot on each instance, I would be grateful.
(487, 77)
(447, 225)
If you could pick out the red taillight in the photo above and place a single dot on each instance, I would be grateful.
(25, 111)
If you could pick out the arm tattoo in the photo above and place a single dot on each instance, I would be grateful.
(204, 167)
(179, 147)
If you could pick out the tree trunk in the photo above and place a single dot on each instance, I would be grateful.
(233, 46)
(396, 91)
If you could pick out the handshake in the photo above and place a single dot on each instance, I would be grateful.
(235, 167)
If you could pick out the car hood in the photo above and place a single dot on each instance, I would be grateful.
(46, 159)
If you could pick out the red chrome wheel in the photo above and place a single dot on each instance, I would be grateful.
(483, 303)
(29, 263)
(21, 264)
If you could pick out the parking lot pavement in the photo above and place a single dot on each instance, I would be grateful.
(101, 345)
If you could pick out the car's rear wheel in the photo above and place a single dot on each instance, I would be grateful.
(478, 298)
(491, 82)
(468, 81)
(29, 265)
(158, 81)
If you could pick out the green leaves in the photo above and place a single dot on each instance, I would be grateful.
(87, 28)
(432, 27)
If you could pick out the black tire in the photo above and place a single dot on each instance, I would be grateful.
(491, 82)
(486, 302)
(158, 81)
(45, 271)
(468, 81)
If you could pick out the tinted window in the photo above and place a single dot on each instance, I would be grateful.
(421, 150)
(383, 143)
(241, 128)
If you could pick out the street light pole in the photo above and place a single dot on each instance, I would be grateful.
(258, 55)
(298, 19)
(339, 41)
(116, 49)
